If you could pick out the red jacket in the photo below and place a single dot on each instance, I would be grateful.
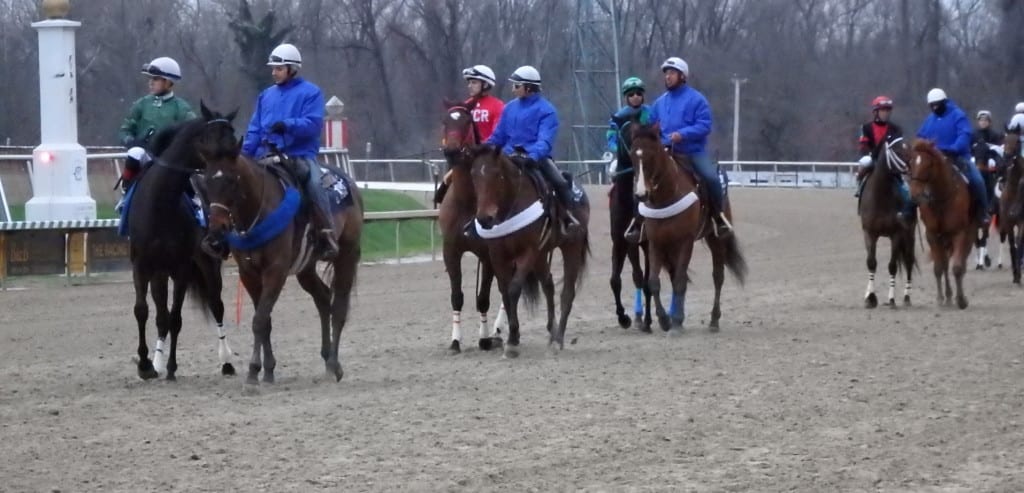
(486, 114)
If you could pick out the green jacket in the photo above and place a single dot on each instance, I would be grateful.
(153, 112)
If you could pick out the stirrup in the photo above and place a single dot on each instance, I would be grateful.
(721, 225)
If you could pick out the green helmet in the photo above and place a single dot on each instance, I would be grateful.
(632, 84)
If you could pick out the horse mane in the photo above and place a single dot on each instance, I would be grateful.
(924, 146)
(650, 132)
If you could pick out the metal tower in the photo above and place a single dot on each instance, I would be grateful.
(595, 68)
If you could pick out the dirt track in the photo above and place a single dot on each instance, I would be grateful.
(803, 389)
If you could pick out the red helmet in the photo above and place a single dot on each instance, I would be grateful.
(881, 102)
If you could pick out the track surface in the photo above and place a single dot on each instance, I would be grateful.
(803, 389)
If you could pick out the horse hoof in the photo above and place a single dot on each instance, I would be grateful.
(511, 352)
(664, 323)
(334, 371)
(489, 343)
(251, 388)
(871, 301)
(268, 377)
(979, 267)
(675, 332)
(892, 303)
(171, 378)
(961, 302)
(906, 300)
(454, 348)
(713, 326)
(227, 370)
(644, 327)
(554, 348)
(148, 374)
(624, 321)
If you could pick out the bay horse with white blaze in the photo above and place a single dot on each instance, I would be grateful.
(945, 205)
(880, 203)
(521, 229)
(255, 208)
(457, 210)
(674, 220)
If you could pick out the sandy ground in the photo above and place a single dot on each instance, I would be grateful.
(803, 389)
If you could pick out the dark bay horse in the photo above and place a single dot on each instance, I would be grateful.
(457, 210)
(258, 213)
(521, 233)
(880, 202)
(674, 221)
(945, 203)
(164, 244)
(622, 211)
(1011, 215)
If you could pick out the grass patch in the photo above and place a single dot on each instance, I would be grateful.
(103, 211)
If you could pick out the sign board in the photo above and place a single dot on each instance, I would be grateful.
(35, 252)
(107, 251)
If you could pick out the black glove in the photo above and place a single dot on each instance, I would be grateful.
(278, 128)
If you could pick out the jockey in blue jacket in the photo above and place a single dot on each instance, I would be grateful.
(685, 119)
(290, 116)
(950, 130)
(526, 133)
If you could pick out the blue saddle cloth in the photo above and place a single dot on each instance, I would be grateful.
(186, 201)
(339, 188)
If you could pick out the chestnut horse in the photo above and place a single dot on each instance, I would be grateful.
(674, 220)
(945, 205)
(1010, 222)
(880, 202)
(521, 232)
(257, 212)
(457, 210)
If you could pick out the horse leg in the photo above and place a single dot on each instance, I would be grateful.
(979, 244)
(679, 280)
(209, 268)
(718, 276)
(321, 294)
(573, 257)
(961, 250)
(547, 286)
(145, 365)
(871, 243)
(1002, 248)
(159, 294)
(174, 322)
(619, 248)
(453, 265)
(654, 288)
(896, 249)
(490, 338)
(1014, 253)
(510, 291)
(908, 263)
(344, 279)
(641, 277)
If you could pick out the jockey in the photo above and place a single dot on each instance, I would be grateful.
(526, 133)
(986, 136)
(486, 111)
(290, 116)
(879, 130)
(685, 119)
(950, 130)
(152, 113)
(633, 94)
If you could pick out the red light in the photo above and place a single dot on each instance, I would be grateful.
(46, 157)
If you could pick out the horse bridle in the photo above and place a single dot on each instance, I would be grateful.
(464, 135)
(226, 209)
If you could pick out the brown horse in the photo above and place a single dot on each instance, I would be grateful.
(245, 197)
(457, 210)
(521, 232)
(1011, 222)
(674, 221)
(945, 204)
(880, 202)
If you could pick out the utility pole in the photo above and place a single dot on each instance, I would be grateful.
(736, 121)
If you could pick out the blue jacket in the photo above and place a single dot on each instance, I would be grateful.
(684, 110)
(950, 132)
(620, 118)
(529, 122)
(297, 103)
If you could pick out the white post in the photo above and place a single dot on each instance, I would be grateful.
(60, 185)
(736, 122)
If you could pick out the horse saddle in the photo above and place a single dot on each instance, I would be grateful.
(686, 164)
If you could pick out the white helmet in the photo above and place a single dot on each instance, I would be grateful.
(1019, 108)
(480, 72)
(1016, 123)
(936, 95)
(285, 54)
(984, 114)
(677, 64)
(525, 75)
(163, 67)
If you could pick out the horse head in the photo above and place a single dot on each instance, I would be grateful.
(928, 171)
(217, 138)
(1013, 186)
(460, 134)
(648, 156)
(495, 182)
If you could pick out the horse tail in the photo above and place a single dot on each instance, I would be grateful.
(531, 291)
(585, 253)
(734, 259)
(200, 290)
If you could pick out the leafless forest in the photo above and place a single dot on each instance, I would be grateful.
(812, 65)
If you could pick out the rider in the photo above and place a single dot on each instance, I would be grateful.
(152, 113)
(987, 136)
(685, 119)
(526, 133)
(633, 94)
(950, 130)
(486, 111)
(289, 115)
(873, 133)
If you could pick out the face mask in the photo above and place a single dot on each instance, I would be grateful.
(939, 108)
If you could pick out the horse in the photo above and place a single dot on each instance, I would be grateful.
(515, 218)
(456, 210)
(257, 212)
(622, 211)
(1011, 222)
(164, 238)
(945, 207)
(668, 194)
(982, 152)
(880, 202)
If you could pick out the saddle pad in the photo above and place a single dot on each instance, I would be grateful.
(339, 188)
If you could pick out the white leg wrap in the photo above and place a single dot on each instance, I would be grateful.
(1002, 247)
(871, 284)
(483, 325)
(892, 288)
(456, 326)
(223, 350)
(501, 320)
(159, 358)
(906, 289)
